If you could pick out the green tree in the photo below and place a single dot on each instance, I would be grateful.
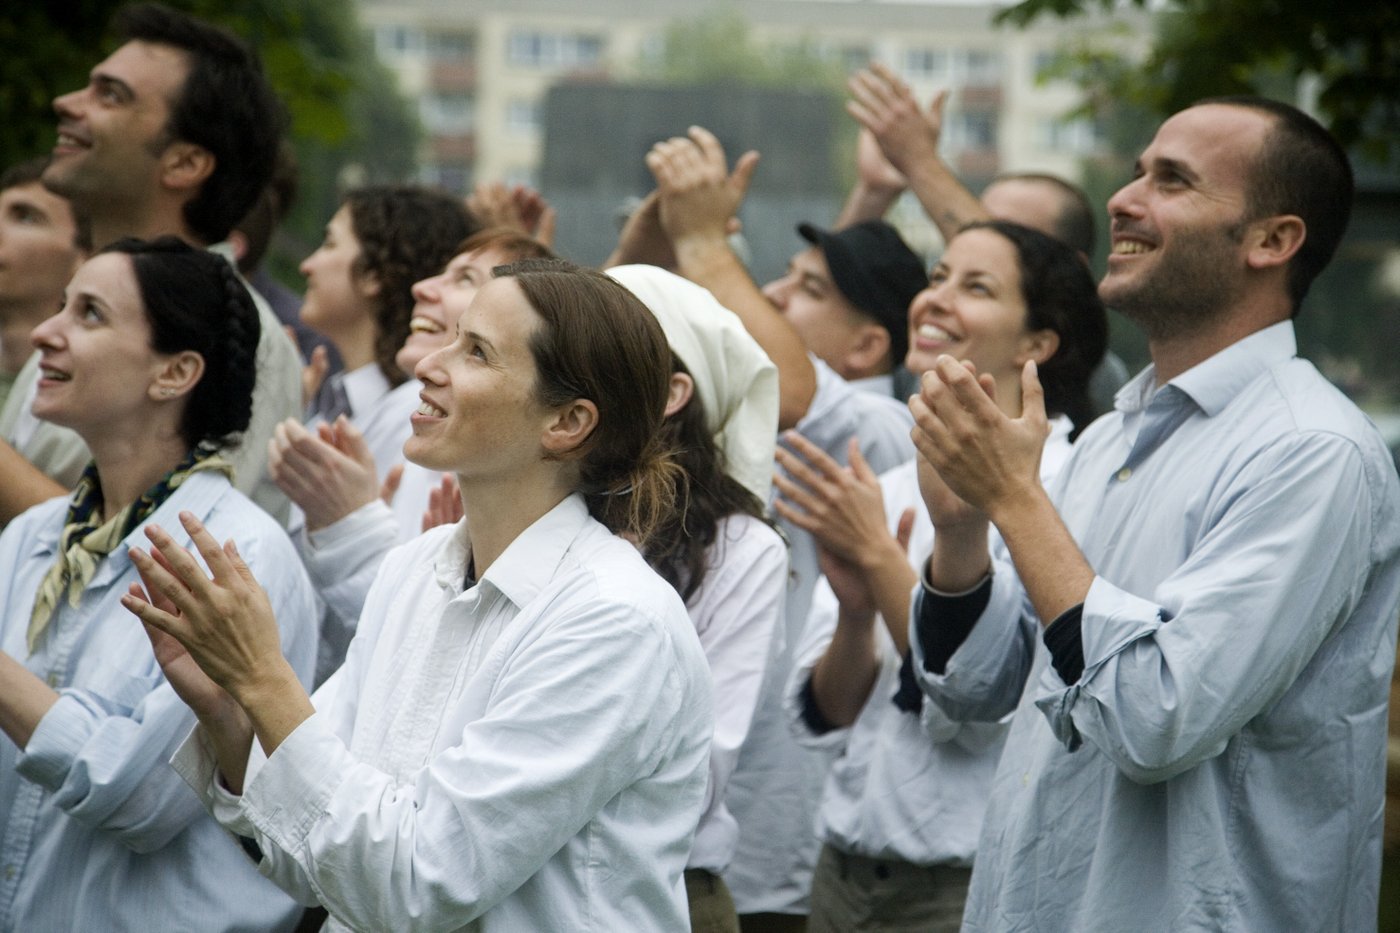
(1205, 48)
(343, 107)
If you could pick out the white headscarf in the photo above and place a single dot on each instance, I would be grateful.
(734, 378)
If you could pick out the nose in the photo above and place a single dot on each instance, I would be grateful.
(429, 371)
(67, 106)
(305, 267)
(778, 291)
(48, 335)
(1125, 200)
(427, 290)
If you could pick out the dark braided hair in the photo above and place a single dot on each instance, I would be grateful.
(194, 300)
(406, 233)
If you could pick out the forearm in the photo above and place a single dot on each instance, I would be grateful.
(708, 261)
(866, 202)
(960, 557)
(22, 485)
(844, 676)
(1053, 570)
(24, 699)
(230, 734)
(891, 580)
(275, 703)
(948, 204)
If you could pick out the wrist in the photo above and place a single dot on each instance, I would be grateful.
(265, 686)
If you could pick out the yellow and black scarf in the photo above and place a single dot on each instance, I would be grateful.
(86, 539)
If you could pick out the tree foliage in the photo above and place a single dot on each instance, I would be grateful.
(1205, 48)
(343, 105)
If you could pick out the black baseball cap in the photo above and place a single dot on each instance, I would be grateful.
(876, 271)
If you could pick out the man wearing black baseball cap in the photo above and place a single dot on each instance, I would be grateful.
(848, 296)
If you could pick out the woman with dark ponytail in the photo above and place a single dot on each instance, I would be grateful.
(517, 739)
(151, 362)
(716, 548)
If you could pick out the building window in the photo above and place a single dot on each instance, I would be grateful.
(398, 41)
(975, 130)
(523, 117)
(450, 46)
(1079, 136)
(980, 67)
(549, 50)
(926, 64)
(447, 114)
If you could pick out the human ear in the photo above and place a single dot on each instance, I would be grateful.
(869, 349)
(1038, 345)
(1273, 241)
(682, 388)
(185, 166)
(178, 375)
(570, 426)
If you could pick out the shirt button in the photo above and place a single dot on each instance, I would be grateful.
(53, 679)
(1123, 474)
(9, 872)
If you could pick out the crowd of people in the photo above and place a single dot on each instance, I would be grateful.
(477, 590)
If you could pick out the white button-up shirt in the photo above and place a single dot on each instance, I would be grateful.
(528, 753)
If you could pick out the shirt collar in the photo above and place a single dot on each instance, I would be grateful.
(882, 384)
(364, 387)
(528, 563)
(1215, 382)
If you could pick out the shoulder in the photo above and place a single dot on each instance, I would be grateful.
(839, 411)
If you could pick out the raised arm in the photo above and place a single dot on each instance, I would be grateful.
(698, 196)
(908, 136)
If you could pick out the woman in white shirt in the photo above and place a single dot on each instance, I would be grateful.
(351, 523)
(729, 565)
(151, 362)
(518, 737)
(358, 294)
(904, 799)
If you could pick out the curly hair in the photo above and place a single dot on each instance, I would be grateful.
(193, 300)
(406, 233)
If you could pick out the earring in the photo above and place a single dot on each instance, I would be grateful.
(166, 392)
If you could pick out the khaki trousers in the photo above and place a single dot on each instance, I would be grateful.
(855, 894)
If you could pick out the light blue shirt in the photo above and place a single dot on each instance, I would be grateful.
(97, 832)
(1220, 764)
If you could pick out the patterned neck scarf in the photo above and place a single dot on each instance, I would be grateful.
(86, 539)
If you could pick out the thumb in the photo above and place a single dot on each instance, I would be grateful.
(905, 529)
(859, 465)
(743, 171)
(351, 442)
(1032, 395)
(391, 483)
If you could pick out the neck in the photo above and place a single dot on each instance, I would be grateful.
(113, 222)
(355, 345)
(15, 326)
(127, 467)
(1174, 355)
(497, 512)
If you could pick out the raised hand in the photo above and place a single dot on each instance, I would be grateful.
(885, 106)
(444, 504)
(328, 474)
(842, 507)
(698, 193)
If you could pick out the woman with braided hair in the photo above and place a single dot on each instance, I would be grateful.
(151, 362)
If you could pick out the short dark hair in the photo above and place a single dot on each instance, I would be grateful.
(1301, 169)
(193, 300)
(597, 341)
(1061, 296)
(30, 172)
(406, 233)
(1074, 224)
(259, 224)
(225, 106)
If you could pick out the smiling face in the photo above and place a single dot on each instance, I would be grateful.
(97, 370)
(37, 252)
(973, 309)
(111, 134)
(480, 416)
(440, 301)
(1177, 259)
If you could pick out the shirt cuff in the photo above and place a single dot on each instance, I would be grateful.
(292, 791)
(1064, 639)
(943, 621)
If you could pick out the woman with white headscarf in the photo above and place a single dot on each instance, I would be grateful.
(717, 550)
